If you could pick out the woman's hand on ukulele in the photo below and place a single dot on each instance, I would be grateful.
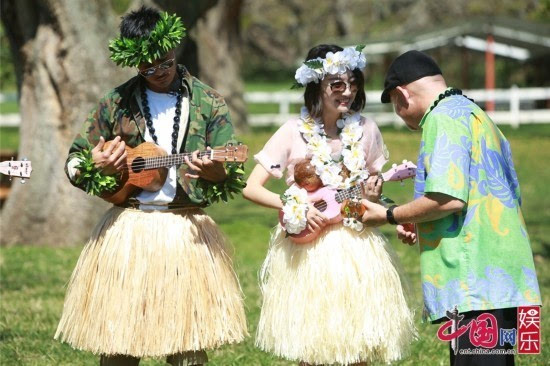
(111, 159)
(315, 219)
(406, 233)
(205, 168)
(373, 188)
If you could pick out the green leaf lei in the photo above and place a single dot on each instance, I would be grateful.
(132, 52)
(91, 178)
(233, 184)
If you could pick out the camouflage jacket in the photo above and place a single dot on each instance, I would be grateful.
(119, 113)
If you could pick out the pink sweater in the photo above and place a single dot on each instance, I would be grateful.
(286, 147)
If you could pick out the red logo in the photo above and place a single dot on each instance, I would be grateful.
(483, 330)
(529, 329)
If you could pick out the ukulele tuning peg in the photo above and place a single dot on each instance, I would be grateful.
(405, 161)
(394, 165)
(23, 181)
(230, 144)
(402, 184)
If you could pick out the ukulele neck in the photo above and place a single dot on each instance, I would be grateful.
(348, 193)
(170, 160)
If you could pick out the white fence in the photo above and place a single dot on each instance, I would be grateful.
(515, 106)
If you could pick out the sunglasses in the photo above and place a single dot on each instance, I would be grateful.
(340, 86)
(152, 70)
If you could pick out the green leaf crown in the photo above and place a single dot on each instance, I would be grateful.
(132, 52)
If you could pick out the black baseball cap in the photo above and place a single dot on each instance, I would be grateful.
(409, 67)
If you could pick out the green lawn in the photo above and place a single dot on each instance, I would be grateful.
(34, 278)
(9, 138)
(9, 107)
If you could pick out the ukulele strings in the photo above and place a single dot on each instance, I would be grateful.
(340, 196)
(161, 161)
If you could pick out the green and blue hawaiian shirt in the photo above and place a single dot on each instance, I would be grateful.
(479, 258)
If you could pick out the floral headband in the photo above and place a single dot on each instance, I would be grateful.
(132, 52)
(350, 58)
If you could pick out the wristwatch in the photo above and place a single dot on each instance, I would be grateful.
(389, 215)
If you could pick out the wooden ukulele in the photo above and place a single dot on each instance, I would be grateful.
(329, 201)
(19, 169)
(147, 167)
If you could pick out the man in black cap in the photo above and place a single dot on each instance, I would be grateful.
(476, 261)
(415, 80)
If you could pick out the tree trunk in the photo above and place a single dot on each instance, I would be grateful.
(219, 49)
(343, 16)
(60, 49)
(190, 12)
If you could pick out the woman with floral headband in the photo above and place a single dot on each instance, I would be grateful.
(155, 279)
(340, 298)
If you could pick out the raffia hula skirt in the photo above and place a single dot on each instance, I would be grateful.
(152, 284)
(339, 299)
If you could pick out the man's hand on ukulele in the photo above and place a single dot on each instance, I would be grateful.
(205, 168)
(110, 159)
(375, 214)
(406, 233)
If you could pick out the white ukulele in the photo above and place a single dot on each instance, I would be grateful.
(14, 168)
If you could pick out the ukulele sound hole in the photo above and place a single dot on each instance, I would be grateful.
(320, 205)
(138, 164)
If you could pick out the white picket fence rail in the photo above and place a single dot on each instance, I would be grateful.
(515, 106)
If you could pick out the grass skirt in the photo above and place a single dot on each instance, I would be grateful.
(153, 284)
(339, 299)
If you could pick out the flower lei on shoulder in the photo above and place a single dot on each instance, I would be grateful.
(353, 156)
(350, 58)
(295, 207)
(90, 178)
(132, 52)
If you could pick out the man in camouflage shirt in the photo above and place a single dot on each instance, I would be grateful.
(155, 279)
(119, 117)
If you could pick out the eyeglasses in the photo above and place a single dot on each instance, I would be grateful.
(340, 86)
(163, 66)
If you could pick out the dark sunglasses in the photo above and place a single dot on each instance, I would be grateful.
(163, 66)
(340, 86)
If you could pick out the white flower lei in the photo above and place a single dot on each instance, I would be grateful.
(353, 223)
(352, 152)
(295, 209)
(350, 58)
